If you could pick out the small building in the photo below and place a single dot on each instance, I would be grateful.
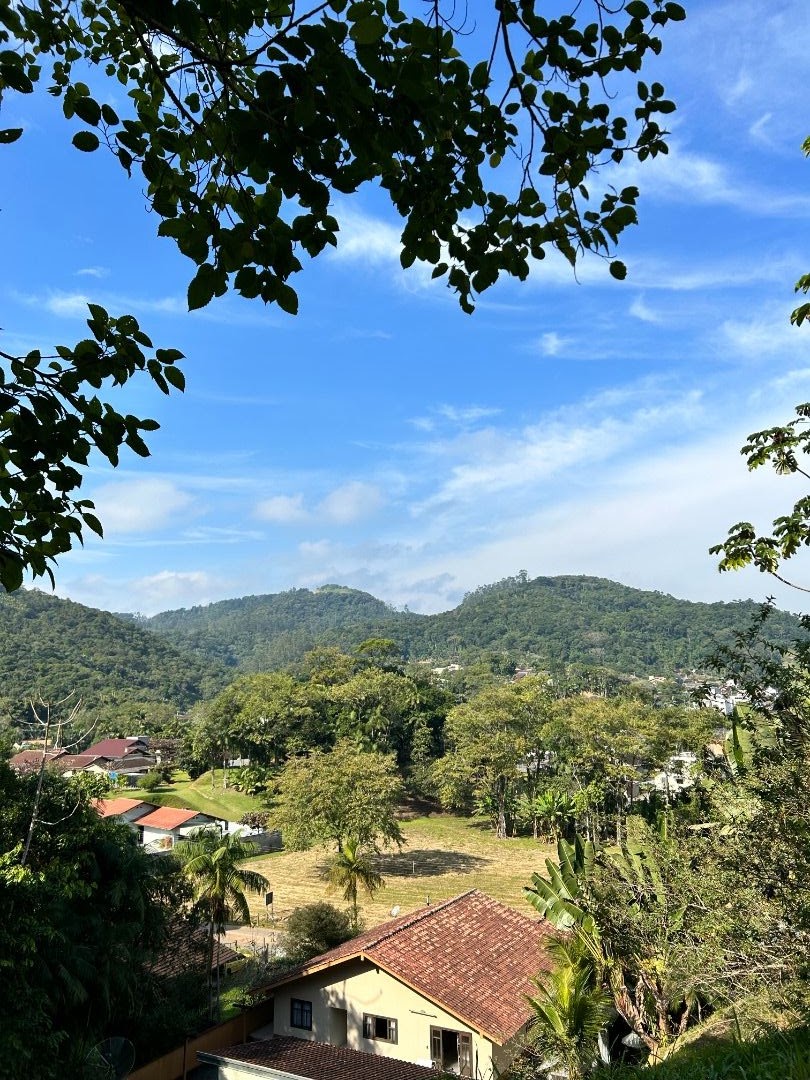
(127, 811)
(444, 987)
(162, 828)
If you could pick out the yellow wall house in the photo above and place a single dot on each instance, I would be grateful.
(441, 988)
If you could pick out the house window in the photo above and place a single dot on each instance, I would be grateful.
(379, 1027)
(301, 1014)
(451, 1051)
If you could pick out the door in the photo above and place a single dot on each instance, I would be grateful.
(452, 1050)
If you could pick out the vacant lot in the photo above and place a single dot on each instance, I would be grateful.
(443, 856)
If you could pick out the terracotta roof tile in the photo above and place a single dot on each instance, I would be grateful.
(113, 807)
(75, 761)
(31, 760)
(168, 817)
(472, 955)
(319, 1061)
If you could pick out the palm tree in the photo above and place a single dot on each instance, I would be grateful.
(211, 863)
(351, 870)
(570, 1010)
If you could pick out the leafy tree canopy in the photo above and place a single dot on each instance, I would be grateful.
(85, 916)
(244, 119)
(348, 793)
(313, 929)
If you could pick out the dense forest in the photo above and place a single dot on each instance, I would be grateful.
(50, 647)
(550, 621)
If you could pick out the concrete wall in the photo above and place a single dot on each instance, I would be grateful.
(359, 987)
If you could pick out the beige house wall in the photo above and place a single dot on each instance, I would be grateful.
(359, 987)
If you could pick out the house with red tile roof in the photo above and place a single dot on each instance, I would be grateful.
(160, 829)
(28, 761)
(127, 811)
(444, 987)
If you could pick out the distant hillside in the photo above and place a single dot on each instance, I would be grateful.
(555, 620)
(264, 632)
(50, 647)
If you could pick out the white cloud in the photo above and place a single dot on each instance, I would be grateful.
(639, 309)
(93, 272)
(139, 505)
(766, 333)
(282, 509)
(351, 502)
(493, 462)
(464, 415)
(551, 344)
(67, 305)
(174, 588)
(363, 238)
(685, 176)
(315, 549)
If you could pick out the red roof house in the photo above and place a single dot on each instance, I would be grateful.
(163, 827)
(443, 987)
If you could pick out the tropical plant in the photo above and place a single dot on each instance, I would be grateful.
(351, 870)
(570, 1010)
(211, 864)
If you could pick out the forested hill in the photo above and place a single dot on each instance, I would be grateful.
(51, 647)
(264, 632)
(554, 620)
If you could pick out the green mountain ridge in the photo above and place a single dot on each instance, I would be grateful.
(556, 620)
(51, 647)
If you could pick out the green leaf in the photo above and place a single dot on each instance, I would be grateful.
(10, 135)
(287, 299)
(202, 287)
(618, 270)
(86, 141)
(176, 377)
(368, 31)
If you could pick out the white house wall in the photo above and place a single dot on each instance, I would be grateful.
(361, 988)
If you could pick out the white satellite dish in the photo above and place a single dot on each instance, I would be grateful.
(394, 911)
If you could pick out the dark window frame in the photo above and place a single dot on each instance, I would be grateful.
(370, 1028)
(301, 1014)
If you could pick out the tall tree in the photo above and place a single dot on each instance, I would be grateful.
(491, 739)
(85, 917)
(244, 120)
(211, 862)
(347, 794)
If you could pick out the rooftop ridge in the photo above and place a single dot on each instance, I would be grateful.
(416, 916)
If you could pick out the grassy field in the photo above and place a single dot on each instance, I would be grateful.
(443, 856)
(200, 795)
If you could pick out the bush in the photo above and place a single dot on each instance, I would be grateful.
(314, 929)
(151, 781)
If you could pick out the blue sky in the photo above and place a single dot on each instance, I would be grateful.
(382, 439)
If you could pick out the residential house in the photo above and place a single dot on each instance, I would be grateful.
(128, 757)
(28, 761)
(127, 811)
(443, 987)
(162, 828)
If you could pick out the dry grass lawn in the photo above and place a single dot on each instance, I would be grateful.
(443, 856)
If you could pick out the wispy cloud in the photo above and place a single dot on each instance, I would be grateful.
(282, 509)
(139, 506)
(692, 177)
(639, 309)
(351, 502)
(94, 272)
